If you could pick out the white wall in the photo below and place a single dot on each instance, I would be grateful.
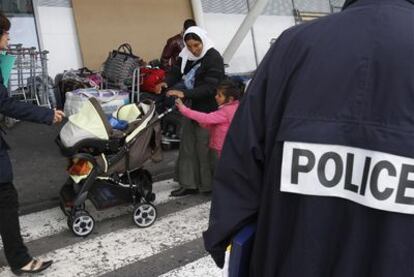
(57, 34)
(268, 27)
(222, 27)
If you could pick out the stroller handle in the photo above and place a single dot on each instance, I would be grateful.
(169, 110)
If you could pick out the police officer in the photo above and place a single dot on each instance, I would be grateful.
(320, 153)
(16, 252)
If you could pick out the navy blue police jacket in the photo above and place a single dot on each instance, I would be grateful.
(19, 110)
(321, 150)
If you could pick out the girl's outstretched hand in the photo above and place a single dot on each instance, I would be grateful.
(179, 103)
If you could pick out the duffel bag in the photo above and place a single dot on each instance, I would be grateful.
(110, 100)
(64, 85)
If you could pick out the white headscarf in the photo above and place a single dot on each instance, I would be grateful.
(186, 55)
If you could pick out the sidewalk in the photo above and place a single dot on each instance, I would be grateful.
(39, 168)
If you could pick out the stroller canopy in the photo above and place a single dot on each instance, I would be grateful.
(89, 123)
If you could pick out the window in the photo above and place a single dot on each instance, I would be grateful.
(16, 7)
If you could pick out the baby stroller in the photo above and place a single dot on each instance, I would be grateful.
(106, 164)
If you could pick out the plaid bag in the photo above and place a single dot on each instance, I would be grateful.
(120, 65)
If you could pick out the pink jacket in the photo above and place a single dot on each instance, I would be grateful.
(218, 122)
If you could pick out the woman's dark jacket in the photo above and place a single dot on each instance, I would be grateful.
(208, 76)
(19, 110)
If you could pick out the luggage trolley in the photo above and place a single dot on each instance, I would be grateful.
(29, 80)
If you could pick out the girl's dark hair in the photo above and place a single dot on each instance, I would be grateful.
(229, 89)
(4, 23)
(192, 36)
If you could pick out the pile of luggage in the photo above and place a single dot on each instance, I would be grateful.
(124, 75)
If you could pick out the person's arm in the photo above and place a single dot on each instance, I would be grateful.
(212, 118)
(24, 111)
(167, 53)
(214, 66)
(239, 176)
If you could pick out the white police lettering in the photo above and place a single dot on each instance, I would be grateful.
(370, 178)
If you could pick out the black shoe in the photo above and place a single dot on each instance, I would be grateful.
(44, 265)
(183, 191)
(206, 193)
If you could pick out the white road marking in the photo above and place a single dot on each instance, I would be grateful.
(204, 267)
(52, 221)
(112, 251)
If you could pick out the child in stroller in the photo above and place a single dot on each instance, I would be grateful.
(106, 164)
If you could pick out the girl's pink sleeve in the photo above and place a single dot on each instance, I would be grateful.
(212, 118)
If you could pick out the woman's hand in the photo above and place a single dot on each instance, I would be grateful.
(159, 87)
(179, 103)
(58, 116)
(176, 93)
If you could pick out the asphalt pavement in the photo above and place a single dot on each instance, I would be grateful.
(40, 169)
(172, 247)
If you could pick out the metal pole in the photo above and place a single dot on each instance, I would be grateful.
(243, 30)
(135, 85)
(36, 18)
(198, 12)
(256, 58)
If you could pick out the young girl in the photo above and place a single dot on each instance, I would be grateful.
(218, 122)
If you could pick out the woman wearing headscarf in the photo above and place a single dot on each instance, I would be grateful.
(195, 79)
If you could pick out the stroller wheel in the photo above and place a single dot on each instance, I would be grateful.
(144, 215)
(81, 224)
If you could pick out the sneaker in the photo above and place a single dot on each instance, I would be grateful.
(183, 191)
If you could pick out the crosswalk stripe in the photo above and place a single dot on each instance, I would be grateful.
(52, 221)
(112, 251)
(204, 267)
